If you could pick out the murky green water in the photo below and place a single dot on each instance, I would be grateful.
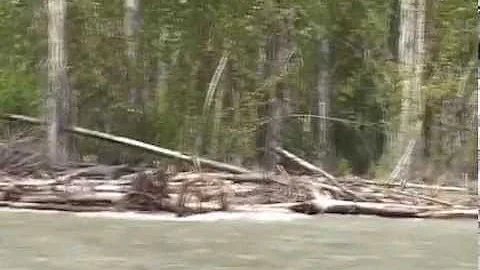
(63, 241)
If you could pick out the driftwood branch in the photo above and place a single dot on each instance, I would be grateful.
(315, 169)
(304, 164)
(238, 178)
(134, 143)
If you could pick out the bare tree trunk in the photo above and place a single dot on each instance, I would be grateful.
(225, 85)
(416, 95)
(411, 58)
(478, 104)
(406, 54)
(131, 28)
(59, 113)
(419, 58)
(322, 104)
(279, 47)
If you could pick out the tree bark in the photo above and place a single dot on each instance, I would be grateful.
(478, 104)
(410, 56)
(279, 47)
(131, 28)
(59, 111)
(406, 52)
(322, 104)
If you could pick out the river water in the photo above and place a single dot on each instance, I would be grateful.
(40, 241)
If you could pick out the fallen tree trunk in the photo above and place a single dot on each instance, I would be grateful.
(93, 198)
(138, 144)
(55, 207)
(322, 204)
(362, 208)
(43, 199)
(237, 178)
(450, 214)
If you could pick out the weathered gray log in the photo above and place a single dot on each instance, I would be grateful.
(362, 208)
(322, 204)
(43, 199)
(55, 207)
(91, 198)
(450, 214)
(110, 188)
(134, 143)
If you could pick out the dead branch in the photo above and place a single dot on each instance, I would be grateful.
(315, 169)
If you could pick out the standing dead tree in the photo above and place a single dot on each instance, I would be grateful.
(59, 96)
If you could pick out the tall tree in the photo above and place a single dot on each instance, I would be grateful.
(132, 21)
(410, 56)
(280, 46)
(59, 110)
(323, 98)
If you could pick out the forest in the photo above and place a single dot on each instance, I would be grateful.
(379, 90)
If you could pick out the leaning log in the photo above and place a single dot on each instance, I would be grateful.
(134, 143)
(304, 164)
(307, 165)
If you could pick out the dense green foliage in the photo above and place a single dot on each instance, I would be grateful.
(181, 43)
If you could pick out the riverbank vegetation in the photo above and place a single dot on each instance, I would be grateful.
(274, 101)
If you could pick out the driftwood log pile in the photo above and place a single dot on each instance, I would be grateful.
(26, 181)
